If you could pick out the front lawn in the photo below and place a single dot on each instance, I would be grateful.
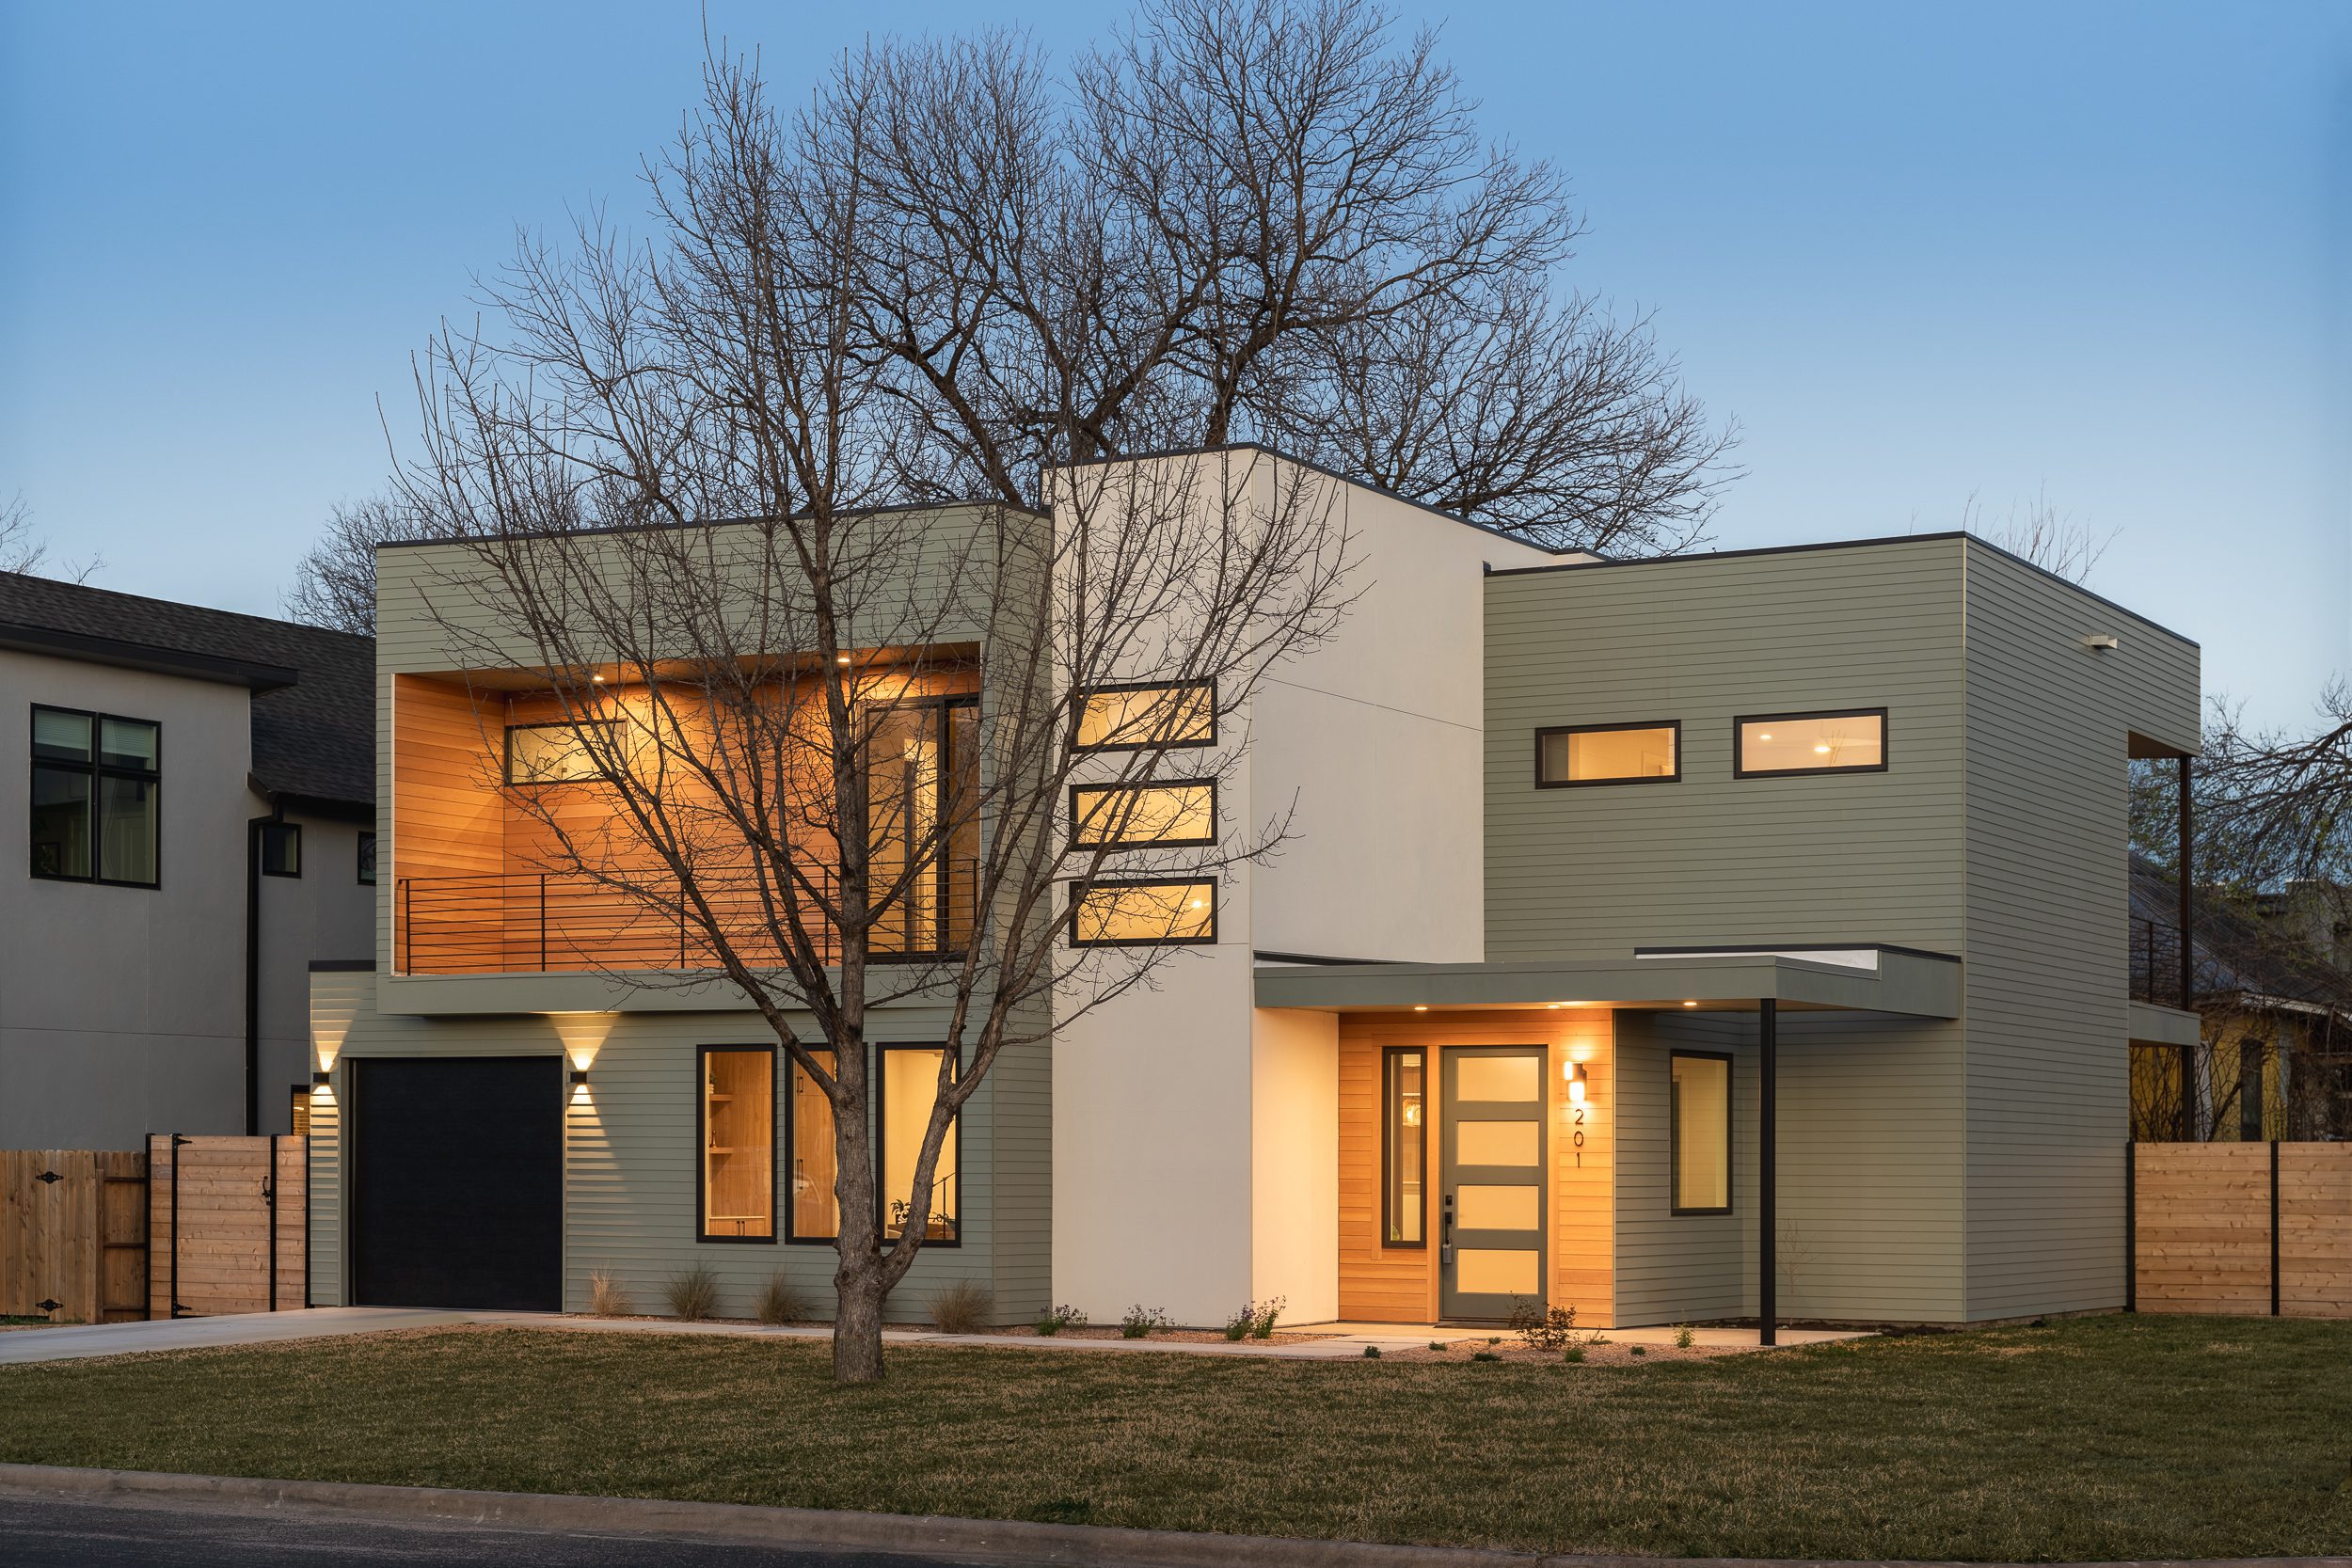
(2105, 1438)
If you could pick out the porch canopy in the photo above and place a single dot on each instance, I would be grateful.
(1860, 977)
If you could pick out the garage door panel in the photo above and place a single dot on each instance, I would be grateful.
(457, 1178)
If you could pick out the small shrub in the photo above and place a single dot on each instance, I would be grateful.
(607, 1296)
(692, 1295)
(1684, 1339)
(1437, 1345)
(1140, 1321)
(1494, 1340)
(1060, 1317)
(1574, 1353)
(1262, 1316)
(963, 1307)
(1488, 1355)
(780, 1302)
(1371, 1353)
(1240, 1323)
(1541, 1329)
(1641, 1350)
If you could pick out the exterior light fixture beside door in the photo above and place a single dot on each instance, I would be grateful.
(1574, 1073)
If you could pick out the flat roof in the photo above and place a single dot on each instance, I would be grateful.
(1900, 981)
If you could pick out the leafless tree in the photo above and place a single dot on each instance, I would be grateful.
(23, 550)
(1243, 220)
(758, 785)
(335, 584)
(2038, 532)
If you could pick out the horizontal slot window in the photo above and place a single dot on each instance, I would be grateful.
(1140, 718)
(1111, 816)
(557, 754)
(1609, 754)
(1133, 914)
(1811, 743)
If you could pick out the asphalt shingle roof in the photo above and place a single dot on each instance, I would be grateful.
(315, 737)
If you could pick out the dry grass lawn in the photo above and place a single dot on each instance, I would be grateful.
(2100, 1439)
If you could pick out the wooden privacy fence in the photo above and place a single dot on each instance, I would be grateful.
(231, 1224)
(73, 1234)
(2242, 1228)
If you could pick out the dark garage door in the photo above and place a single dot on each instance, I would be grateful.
(457, 1182)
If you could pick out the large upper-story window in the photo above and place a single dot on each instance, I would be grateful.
(1171, 910)
(1853, 740)
(95, 797)
(1121, 816)
(1609, 754)
(922, 788)
(554, 754)
(1145, 717)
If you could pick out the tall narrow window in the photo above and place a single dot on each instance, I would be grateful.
(1116, 816)
(738, 1144)
(1609, 753)
(1701, 1120)
(1141, 913)
(815, 1212)
(910, 1089)
(922, 784)
(281, 848)
(1783, 743)
(367, 860)
(2250, 1056)
(1146, 717)
(96, 809)
(1405, 1147)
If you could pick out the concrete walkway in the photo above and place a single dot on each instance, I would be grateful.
(1345, 1341)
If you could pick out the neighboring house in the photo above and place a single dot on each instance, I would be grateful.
(2272, 984)
(196, 790)
(1593, 865)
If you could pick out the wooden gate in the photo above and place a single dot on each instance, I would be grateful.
(2254, 1229)
(231, 1224)
(74, 1235)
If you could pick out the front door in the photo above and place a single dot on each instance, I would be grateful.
(1490, 1255)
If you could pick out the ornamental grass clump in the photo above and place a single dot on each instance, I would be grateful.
(694, 1294)
(607, 1296)
(963, 1307)
(780, 1302)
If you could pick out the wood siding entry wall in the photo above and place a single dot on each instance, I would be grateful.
(229, 1219)
(1399, 1284)
(74, 1235)
(2213, 1231)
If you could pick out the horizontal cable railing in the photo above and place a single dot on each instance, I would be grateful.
(2155, 962)
(541, 921)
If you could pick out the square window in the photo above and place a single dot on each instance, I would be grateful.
(96, 811)
(1609, 754)
(1789, 743)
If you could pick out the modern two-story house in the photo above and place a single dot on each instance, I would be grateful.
(196, 790)
(1737, 936)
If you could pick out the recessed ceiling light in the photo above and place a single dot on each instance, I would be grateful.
(595, 680)
(1820, 750)
(1689, 1004)
(1420, 1007)
(841, 658)
(1766, 734)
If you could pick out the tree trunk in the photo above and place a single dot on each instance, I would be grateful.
(857, 1352)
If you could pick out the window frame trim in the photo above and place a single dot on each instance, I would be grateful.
(1676, 1209)
(1079, 846)
(790, 1234)
(1081, 886)
(1077, 717)
(261, 849)
(702, 1147)
(506, 762)
(1388, 1172)
(1673, 724)
(1887, 743)
(94, 771)
(881, 1135)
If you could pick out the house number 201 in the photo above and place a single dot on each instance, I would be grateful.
(1577, 1138)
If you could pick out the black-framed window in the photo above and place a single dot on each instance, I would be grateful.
(1785, 745)
(1405, 1147)
(299, 1102)
(97, 812)
(1571, 756)
(922, 795)
(1147, 716)
(281, 848)
(1169, 814)
(735, 1186)
(1699, 1120)
(1153, 911)
(367, 859)
(556, 752)
(906, 1087)
(812, 1214)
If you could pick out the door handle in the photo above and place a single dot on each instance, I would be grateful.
(1445, 1232)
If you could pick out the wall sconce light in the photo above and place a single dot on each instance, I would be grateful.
(321, 1081)
(579, 1077)
(1574, 1073)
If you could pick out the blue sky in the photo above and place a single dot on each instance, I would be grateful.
(2104, 252)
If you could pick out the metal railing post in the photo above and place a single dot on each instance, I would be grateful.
(543, 922)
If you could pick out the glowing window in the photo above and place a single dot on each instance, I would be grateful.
(738, 1189)
(556, 753)
(1128, 914)
(816, 1207)
(1139, 717)
(910, 1089)
(1404, 1153)
(1116, 815)
(1701, 1120)
(1812, 742)
(1608, 755)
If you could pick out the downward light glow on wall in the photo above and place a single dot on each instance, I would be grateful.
(1574, 1073)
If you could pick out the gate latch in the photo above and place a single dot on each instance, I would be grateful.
(49, 1176)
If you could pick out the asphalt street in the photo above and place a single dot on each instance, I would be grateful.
(46, 1533)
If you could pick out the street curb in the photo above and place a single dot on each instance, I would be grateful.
(976, 1540)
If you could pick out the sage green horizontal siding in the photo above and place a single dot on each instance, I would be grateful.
(630, 1153)
(2047, 981)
